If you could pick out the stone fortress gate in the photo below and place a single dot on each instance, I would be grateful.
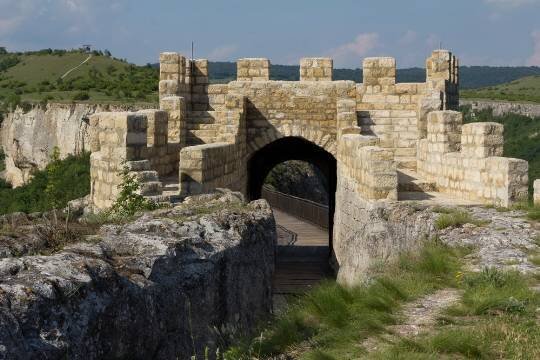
(376, 141)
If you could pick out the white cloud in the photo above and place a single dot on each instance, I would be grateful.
(534, 60)
(361, 46)
(223, 52)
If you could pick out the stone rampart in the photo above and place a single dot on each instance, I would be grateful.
(465, 161)
(371, 129)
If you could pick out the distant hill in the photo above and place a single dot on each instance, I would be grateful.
(471, 77)
(523, 89)
(37, 76)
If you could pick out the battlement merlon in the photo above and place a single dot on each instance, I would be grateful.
(442, 72)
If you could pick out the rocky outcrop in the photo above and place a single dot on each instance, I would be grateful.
(29, 138)
(501, 107)
(506, 240)
(167, 285)
(375, 232)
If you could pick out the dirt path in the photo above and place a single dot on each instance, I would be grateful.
(76, 67)
(418, 316)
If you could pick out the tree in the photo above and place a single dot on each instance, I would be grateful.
(3, 50)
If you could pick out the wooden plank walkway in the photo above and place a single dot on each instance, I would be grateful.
(303, 264)
(308, 234)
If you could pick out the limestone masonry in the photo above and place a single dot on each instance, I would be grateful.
(379, 132)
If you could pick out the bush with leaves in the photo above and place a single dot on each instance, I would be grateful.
(129, 201)
(68, 179)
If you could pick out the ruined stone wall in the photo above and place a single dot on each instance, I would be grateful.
(466, 161)
(136, 140)
(397, 112)
(370, 167)
(221, 163)
(116, 138)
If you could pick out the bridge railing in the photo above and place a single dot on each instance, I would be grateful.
(313, 212)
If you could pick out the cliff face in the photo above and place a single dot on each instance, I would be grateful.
(501, 107)
(28, 139)
(165, 286)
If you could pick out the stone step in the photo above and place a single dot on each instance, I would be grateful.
(164, 198)
(203, 126)
(201, 120)
(406, 163)
(409, 181)
(150, 188)
(201, 113)
(138, 165)
(145, 176)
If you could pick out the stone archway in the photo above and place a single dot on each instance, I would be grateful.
(293, 148)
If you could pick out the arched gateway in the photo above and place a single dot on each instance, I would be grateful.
(363, 135)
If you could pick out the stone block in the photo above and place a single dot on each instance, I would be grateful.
(379, 71)
(481, 140)
(316, 69)
(253, 69)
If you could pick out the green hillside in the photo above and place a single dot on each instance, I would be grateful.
(37, 76)
(524, 89)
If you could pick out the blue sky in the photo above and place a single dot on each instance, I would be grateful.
(479, 32)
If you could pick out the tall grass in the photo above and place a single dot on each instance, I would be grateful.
(455, 217)
(331, 321)
(496, 319)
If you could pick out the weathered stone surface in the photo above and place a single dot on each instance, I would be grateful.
(369, 233)
(505, 242)
(144, 290)
(28, 139)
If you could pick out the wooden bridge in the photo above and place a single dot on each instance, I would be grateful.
(303, 246)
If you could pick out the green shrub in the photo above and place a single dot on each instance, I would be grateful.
(81, 96)
(60, 182)
(129, 201)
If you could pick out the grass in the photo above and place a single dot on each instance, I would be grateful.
(532, 211)
(331, 321)
(524, 89)
(450, 217)
(36, 78)
(496, 319)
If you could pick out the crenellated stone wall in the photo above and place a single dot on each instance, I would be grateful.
(466, 161)
(371, 129)
(229, 135)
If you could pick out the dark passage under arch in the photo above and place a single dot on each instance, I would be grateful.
(293, 148)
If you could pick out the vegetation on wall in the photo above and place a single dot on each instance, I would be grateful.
(60, 182)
